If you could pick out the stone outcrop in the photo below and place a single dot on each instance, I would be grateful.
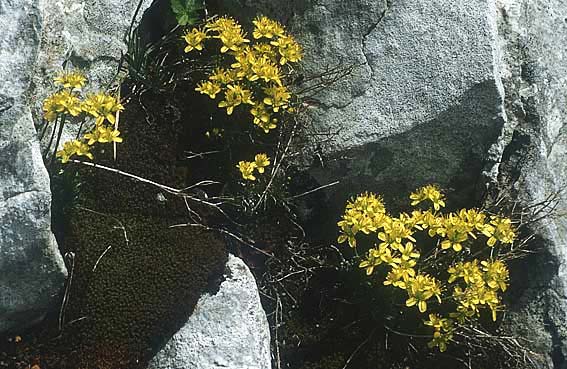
(86, 35)
(32, 271)
(226, 330)
(533, 163)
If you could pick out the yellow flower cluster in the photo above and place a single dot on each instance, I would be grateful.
(431, 193)
(71, 79)
(475, 284)
(255, 70)
(443, 329)
(247, 168)
(365, 214)
(68, 101)
(481, 286)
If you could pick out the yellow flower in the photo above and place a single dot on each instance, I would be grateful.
(277, 97)
(222, 23)
(365, 213)
(262, 117)
(72, 80)
(289, 50)
(223, 77)
(456, 232)
(102, 106)
(245, 58)
(420, 289)
(234, 96)
(468, 271)
(208, 88)
(247, 169)
(408, 252)
(232, 39)
(103, 134)
(429, 192)
(263, 68)
(261, 161)
(372, 260)
(500, 229)
(265, 50)
(496, 274)
(397, 277)
(394, 232)
(62, 102)
(440, 339)
(194, 39)
(74, 147)
(265, 27)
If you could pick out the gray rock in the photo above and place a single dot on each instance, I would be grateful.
(533, 165)
(427, 86)
(226, 330)
(32, 271)
(84, 35)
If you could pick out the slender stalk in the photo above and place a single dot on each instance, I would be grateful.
(52, 137)
(44, 130)
(59, 134)
(80, 129)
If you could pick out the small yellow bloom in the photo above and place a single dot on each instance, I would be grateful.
(290, 51)
(102, 106)
(71, 148)
(429, 192)
(234, 96)
(223, 77)
(208, 88)
(261, 161)
(194, 39)
(267, 28)
(232, 39)
(62, 102)
(247, 169)
(277, 97)
(73, 80)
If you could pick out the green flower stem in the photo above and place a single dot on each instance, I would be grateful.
(59, 134)
(51, 138)
(44, 130)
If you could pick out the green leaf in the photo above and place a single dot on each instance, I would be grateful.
(177, 7)
(186, 11)
(183, 20)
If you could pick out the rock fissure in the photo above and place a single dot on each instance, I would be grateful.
(387, 5)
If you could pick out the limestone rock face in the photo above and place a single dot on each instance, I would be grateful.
(534, 163)
(88, 35)
(226, 330)
(425, 85)
(31, 269)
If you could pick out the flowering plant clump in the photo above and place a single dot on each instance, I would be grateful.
(247, 168)
(454, 294)
(251, 73)
(69, 102)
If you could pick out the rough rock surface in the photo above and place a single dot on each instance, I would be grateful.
(31, 269)
(426, 86)
(469, 95)
(88, 35)
(226, 330)
(533, 163)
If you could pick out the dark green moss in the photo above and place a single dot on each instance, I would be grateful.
(149, 275)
